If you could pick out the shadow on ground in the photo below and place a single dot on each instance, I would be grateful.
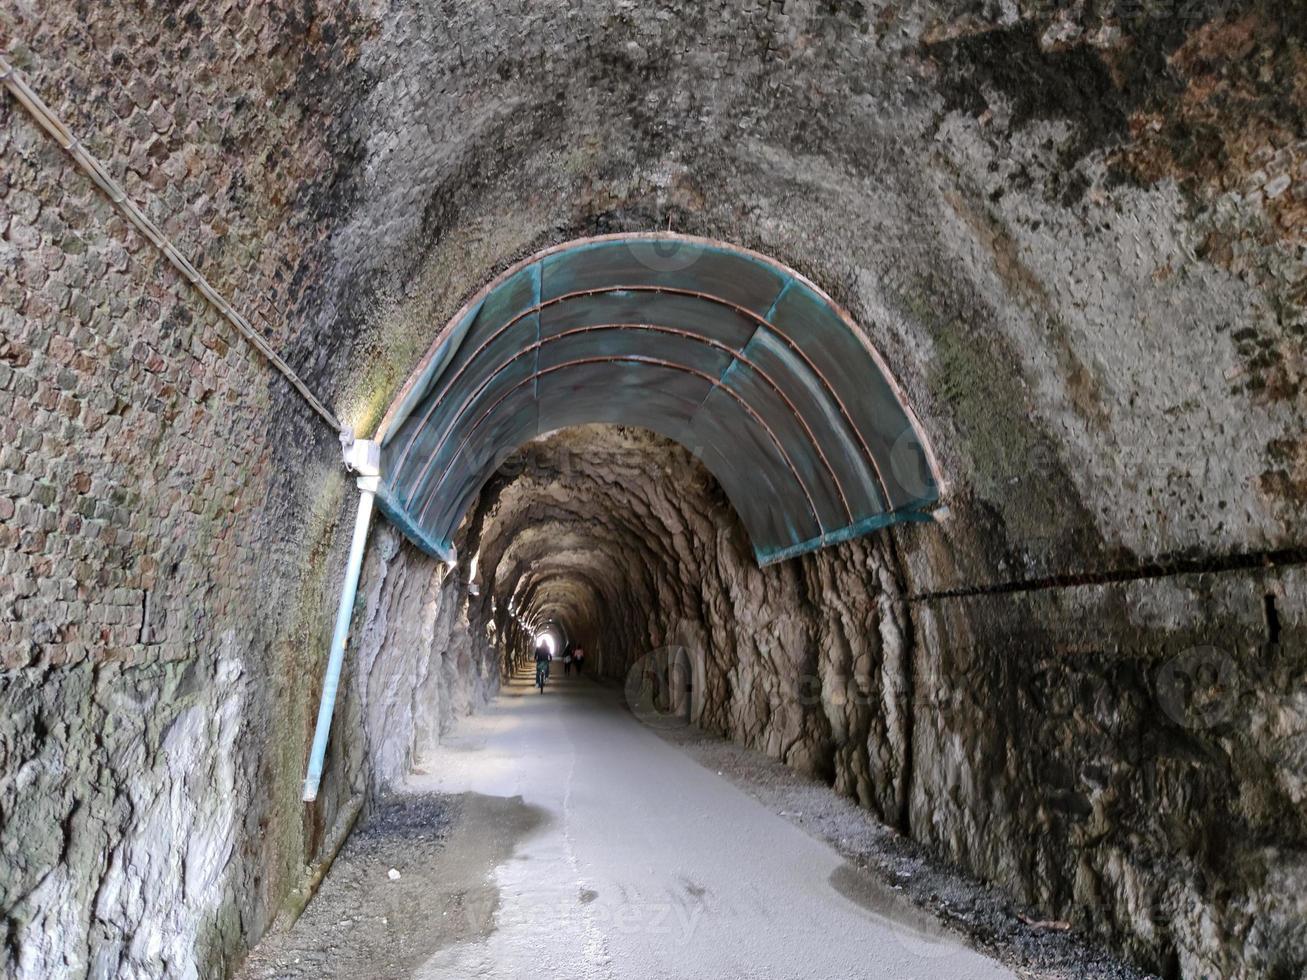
(366, 923)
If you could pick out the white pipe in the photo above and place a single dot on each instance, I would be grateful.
(362, 457)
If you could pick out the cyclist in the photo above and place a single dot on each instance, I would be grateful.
(542, 665)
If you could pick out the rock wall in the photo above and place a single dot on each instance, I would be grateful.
(421, 664)
(1131, 756)
(1127, 755)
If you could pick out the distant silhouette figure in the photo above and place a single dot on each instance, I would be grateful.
(542, 666)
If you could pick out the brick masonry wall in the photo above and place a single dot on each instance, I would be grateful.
(168, 506)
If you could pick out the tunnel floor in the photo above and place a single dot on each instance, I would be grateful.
(556, 835)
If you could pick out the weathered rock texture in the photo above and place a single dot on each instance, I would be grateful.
(626, 541)
(421, 664)
(1132, 755)
(1076, 231)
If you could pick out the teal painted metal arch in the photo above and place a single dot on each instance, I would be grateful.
(728, 352)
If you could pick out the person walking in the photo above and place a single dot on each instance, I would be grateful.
(567, 658)
(578, 658)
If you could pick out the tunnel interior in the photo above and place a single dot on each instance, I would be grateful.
(624, 543)
(718, 348)
(918, 394)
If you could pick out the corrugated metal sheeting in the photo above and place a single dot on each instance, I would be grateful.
(723, 350)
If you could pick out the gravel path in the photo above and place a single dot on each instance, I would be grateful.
(412, 879)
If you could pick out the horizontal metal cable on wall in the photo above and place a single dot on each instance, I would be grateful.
(48, 121)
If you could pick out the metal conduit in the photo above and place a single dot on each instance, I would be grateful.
(48, 121)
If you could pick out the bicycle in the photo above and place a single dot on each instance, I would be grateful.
(542, 671)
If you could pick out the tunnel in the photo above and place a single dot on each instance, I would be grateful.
(900, 405)
(719, 349)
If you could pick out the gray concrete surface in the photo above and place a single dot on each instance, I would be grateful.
(644, 864)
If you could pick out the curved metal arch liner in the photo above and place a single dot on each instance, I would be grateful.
(733, 355)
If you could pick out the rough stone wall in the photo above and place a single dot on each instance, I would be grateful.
(168, 507)
(421, 665)
(1077, 236)
(626, 540)
(1045, 306)
(1131, 756)
(1127, 755)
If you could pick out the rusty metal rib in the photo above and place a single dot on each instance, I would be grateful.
(648, 327)
(630, 359)
(674, 291)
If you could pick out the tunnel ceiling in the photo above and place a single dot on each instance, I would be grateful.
(736, 357)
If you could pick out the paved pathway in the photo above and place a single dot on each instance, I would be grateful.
(639, 863)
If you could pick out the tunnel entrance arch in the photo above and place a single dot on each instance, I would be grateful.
(729, 353)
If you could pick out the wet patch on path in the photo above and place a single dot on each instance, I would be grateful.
(896, 879)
